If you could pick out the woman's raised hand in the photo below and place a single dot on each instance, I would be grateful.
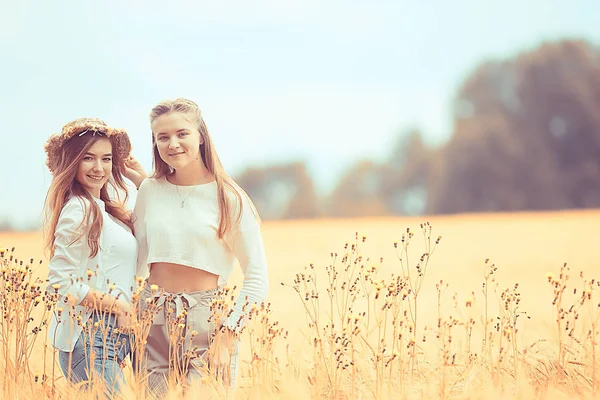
(134, 171)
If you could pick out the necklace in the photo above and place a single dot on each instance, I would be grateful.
(182, 205)
(186, 197)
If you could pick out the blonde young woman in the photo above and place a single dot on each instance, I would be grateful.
(92, 250)
(192, 222)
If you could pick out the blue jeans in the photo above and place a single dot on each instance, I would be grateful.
(109, 347)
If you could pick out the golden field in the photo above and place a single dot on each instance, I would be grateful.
(521, 360)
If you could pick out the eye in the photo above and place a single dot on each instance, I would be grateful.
(107, 159)
(87, 158)
(183, 134)
(162, 138)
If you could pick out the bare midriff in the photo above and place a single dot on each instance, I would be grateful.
(176, 278)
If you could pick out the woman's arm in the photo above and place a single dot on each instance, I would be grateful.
(139, 227)
(246, 243)
(66, 275)
(71, 252)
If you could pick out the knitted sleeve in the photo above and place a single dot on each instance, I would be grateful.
(246, 242)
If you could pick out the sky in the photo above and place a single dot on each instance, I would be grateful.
(327, 82)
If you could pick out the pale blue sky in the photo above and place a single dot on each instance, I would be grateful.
(324, 81)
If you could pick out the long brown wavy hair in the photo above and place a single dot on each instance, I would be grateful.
(209, 157)
(64, 186)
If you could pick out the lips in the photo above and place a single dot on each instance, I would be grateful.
(95, 178)
(175, 154)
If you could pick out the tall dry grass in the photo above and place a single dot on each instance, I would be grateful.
(364, 328)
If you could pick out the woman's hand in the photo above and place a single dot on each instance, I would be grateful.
(134, 171)
(126, 319)
(220, 353)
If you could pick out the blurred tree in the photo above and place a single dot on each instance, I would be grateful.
(281, 191)
(358, 193)
(398, 186)
(526, 135)
(7, 225)
(405, 176)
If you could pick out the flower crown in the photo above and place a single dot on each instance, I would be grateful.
(86, 126)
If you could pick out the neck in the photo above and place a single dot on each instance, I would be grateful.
(94, 193)
(194, 173)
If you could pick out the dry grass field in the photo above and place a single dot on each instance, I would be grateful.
(399, 324)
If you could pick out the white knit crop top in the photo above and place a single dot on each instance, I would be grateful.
(168, 232)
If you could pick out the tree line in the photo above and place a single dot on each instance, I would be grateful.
(525, 136)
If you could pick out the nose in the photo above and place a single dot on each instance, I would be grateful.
(173, 142)
(98, 165)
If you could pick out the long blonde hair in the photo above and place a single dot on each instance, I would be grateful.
(64, 186)
(209, 157)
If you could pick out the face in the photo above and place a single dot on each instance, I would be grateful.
(96, 167)
(177, 139)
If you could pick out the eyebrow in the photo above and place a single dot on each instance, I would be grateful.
(177, 131)
(92, 154)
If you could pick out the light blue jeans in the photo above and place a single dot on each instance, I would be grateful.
(110, 348)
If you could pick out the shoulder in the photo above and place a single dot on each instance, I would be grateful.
(76, 205)
(149, 186)
(241, 206)
(237, 198)
(74, 211)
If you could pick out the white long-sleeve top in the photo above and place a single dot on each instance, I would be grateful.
(167, 232)
(112, 269)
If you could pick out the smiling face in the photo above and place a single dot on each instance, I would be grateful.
(95, 167)
(177, 139)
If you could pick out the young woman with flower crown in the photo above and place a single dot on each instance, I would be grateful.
(92, 251)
